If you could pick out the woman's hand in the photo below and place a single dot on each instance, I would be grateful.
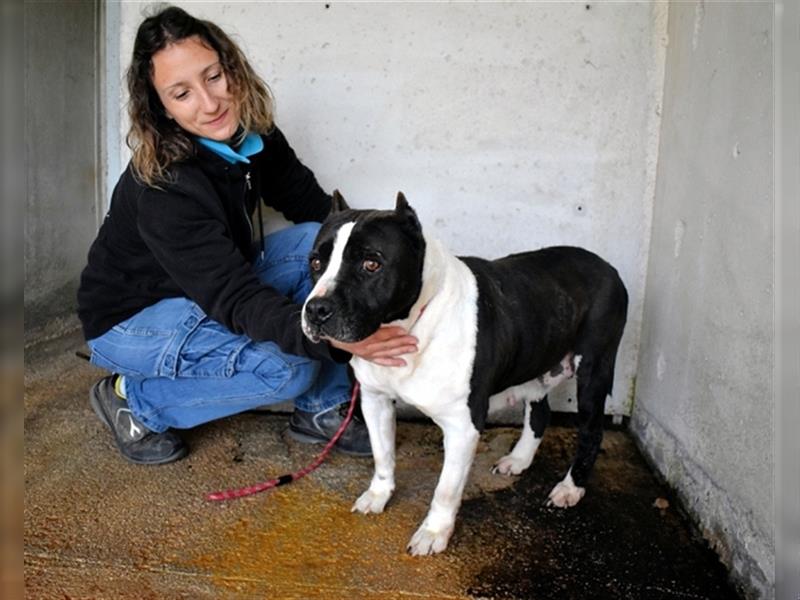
(383, 347)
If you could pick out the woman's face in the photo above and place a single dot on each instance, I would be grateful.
(191, 84)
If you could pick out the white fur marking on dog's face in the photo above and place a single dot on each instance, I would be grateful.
(327, 281)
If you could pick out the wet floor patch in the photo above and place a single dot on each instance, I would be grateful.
(623, 540)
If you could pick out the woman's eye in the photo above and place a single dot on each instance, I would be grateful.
(215, 77)
(371, 266)
(181, 96)
(315, 264)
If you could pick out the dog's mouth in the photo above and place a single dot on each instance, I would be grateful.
(312, 332)
(336, 326)
(319, 333)
(342, 333)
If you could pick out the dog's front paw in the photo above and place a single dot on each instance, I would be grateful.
(427, 541)
(510, 465)
(566, 494)
(371, 502)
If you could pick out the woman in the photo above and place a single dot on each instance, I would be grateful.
(195, 318)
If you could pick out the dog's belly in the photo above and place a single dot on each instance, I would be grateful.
(533, 391)
(536, 389)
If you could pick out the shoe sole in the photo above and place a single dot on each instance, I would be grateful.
(98, 409)
(310, 439)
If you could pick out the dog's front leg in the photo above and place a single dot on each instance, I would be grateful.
(460, 443)
(379, 416)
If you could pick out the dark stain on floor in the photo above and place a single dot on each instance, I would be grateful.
(616, 543)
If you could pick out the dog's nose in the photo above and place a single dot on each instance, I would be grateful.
(318, 310)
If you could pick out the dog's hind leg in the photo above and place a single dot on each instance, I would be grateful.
(595, 378)
(536, 417)
(535, 420)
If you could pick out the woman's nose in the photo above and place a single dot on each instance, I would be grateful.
(208, 102)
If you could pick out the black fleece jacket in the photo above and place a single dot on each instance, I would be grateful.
(194, 238)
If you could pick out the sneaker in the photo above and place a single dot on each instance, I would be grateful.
(320, 427)
(136, 443)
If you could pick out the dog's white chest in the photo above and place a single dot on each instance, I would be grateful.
(431, 390)
(439, 373)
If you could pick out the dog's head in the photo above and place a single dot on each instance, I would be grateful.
(367, 270)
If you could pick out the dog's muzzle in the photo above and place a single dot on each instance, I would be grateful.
(316, 313)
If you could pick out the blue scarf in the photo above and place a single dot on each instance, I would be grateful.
(252, 144)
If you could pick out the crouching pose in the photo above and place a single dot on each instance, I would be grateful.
(191, 308)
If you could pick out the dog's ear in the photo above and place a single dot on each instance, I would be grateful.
(338, 204)
(403, 209)
(401, 205)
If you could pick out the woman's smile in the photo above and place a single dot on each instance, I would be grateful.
(218, 120)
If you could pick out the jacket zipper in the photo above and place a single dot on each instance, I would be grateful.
(248, 187)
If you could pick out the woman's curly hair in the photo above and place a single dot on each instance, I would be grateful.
(156, 140)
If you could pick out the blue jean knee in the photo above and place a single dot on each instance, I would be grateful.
(261, 376)
(183, 369)
(203, 373)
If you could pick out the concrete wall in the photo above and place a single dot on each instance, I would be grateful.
(61, 150)
(508, 126)
(703, 409)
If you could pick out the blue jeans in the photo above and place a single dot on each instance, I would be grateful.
(182, 368)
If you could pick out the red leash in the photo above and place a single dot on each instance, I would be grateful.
(288, 478)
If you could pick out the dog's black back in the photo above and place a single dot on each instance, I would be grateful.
(534, 308)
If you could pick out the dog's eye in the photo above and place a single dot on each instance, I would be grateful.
(315, 264)
(371, 266)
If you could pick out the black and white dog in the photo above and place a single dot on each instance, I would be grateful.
(489, 332)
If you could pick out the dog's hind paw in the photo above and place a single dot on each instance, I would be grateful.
(566, 494)
(510, 465)
(425, 541)
(371, 502)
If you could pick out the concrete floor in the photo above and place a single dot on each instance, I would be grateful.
(99, 527)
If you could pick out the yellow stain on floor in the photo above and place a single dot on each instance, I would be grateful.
(304, 538)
